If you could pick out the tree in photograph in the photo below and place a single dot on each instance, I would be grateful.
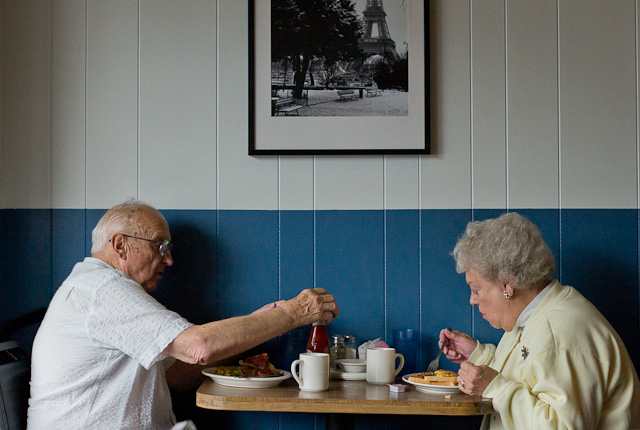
(305, 29)
(400, 72)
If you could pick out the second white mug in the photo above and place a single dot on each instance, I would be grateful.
(381, 365)
(314, 371)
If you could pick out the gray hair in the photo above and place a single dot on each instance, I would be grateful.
(128, 217)
(507, 249)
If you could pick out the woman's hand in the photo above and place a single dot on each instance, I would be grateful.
(458, 345)
(473, 379)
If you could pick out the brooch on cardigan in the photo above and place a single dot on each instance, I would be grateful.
(525, 352)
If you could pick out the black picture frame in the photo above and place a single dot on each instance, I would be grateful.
(273, 134)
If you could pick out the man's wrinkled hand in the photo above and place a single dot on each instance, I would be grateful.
(314, 305)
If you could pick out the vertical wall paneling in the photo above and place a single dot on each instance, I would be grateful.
(348, 182)
(68, 94)
(402, 271)
(354, 277)
(445, 175)
(532, 104)
(401, 182)
(444, 293)
(596, 265)
(25, 261)
(243, 182)
(295, 182)
(112, 102)
(488, 104)
(68, 243)
(189, 286)
(597, 104)
(178, 103)
(25, 108)
(247, 260)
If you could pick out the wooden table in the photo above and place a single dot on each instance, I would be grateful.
(342, 399)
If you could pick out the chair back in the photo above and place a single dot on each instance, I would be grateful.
(15, 374)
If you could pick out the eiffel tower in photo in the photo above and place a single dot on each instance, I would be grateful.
(381, 44)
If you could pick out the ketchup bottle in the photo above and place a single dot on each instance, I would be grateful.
(318, 339)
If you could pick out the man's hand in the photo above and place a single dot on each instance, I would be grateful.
(459, 346)
(473, 379)
(312, 305)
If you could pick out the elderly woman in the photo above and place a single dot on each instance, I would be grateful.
(559, 364)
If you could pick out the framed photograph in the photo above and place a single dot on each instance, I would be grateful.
(338, 77)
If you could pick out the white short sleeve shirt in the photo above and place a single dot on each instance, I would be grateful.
(97, 361)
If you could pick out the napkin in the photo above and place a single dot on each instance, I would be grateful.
(376, 343)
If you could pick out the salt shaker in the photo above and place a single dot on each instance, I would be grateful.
(350, 346)
(337, 349)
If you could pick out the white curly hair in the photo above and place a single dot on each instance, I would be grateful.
(508, 249)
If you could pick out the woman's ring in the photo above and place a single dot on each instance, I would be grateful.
(462, 383)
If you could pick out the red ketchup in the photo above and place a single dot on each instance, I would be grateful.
(318, 339)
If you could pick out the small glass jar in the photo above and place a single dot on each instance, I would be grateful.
(337, 350)
(350, 346)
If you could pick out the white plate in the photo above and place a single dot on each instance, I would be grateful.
(434, 389)
(348, 376)
(236, 381)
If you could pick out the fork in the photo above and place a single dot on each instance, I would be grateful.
(433, 366)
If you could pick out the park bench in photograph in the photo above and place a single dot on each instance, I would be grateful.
(286, 106)
(347, 94)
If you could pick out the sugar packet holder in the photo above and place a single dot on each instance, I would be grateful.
(376, 343)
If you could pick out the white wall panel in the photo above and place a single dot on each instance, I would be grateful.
(68, 48)
(402, 181)
(348, 182)
(488, 102)
(445, 175)
(244, 182)
(295, 182)
(178, 103)
(532, 117)
(112, 102)
(97, 97)
(25, 171)
(597, 104)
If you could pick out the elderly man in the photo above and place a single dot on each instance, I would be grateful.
(107, 352)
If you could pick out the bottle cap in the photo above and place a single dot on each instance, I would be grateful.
(337, 338)
(319, 323)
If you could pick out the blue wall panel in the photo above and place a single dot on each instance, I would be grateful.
(445, 295)
(402, 271)
(349, 263)
(600, 259)
(189, 286)
(67, 243)
(387, 269)
(25, 261)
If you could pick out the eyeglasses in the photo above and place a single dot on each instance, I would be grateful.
(165, 246)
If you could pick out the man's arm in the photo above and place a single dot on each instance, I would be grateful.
(215, 341)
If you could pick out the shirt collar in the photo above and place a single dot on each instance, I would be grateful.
(533, 304)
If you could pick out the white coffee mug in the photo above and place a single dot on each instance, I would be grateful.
(314, 371)
(381, 365)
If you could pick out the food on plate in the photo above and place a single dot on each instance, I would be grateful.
(439, 377)
(256, 366)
